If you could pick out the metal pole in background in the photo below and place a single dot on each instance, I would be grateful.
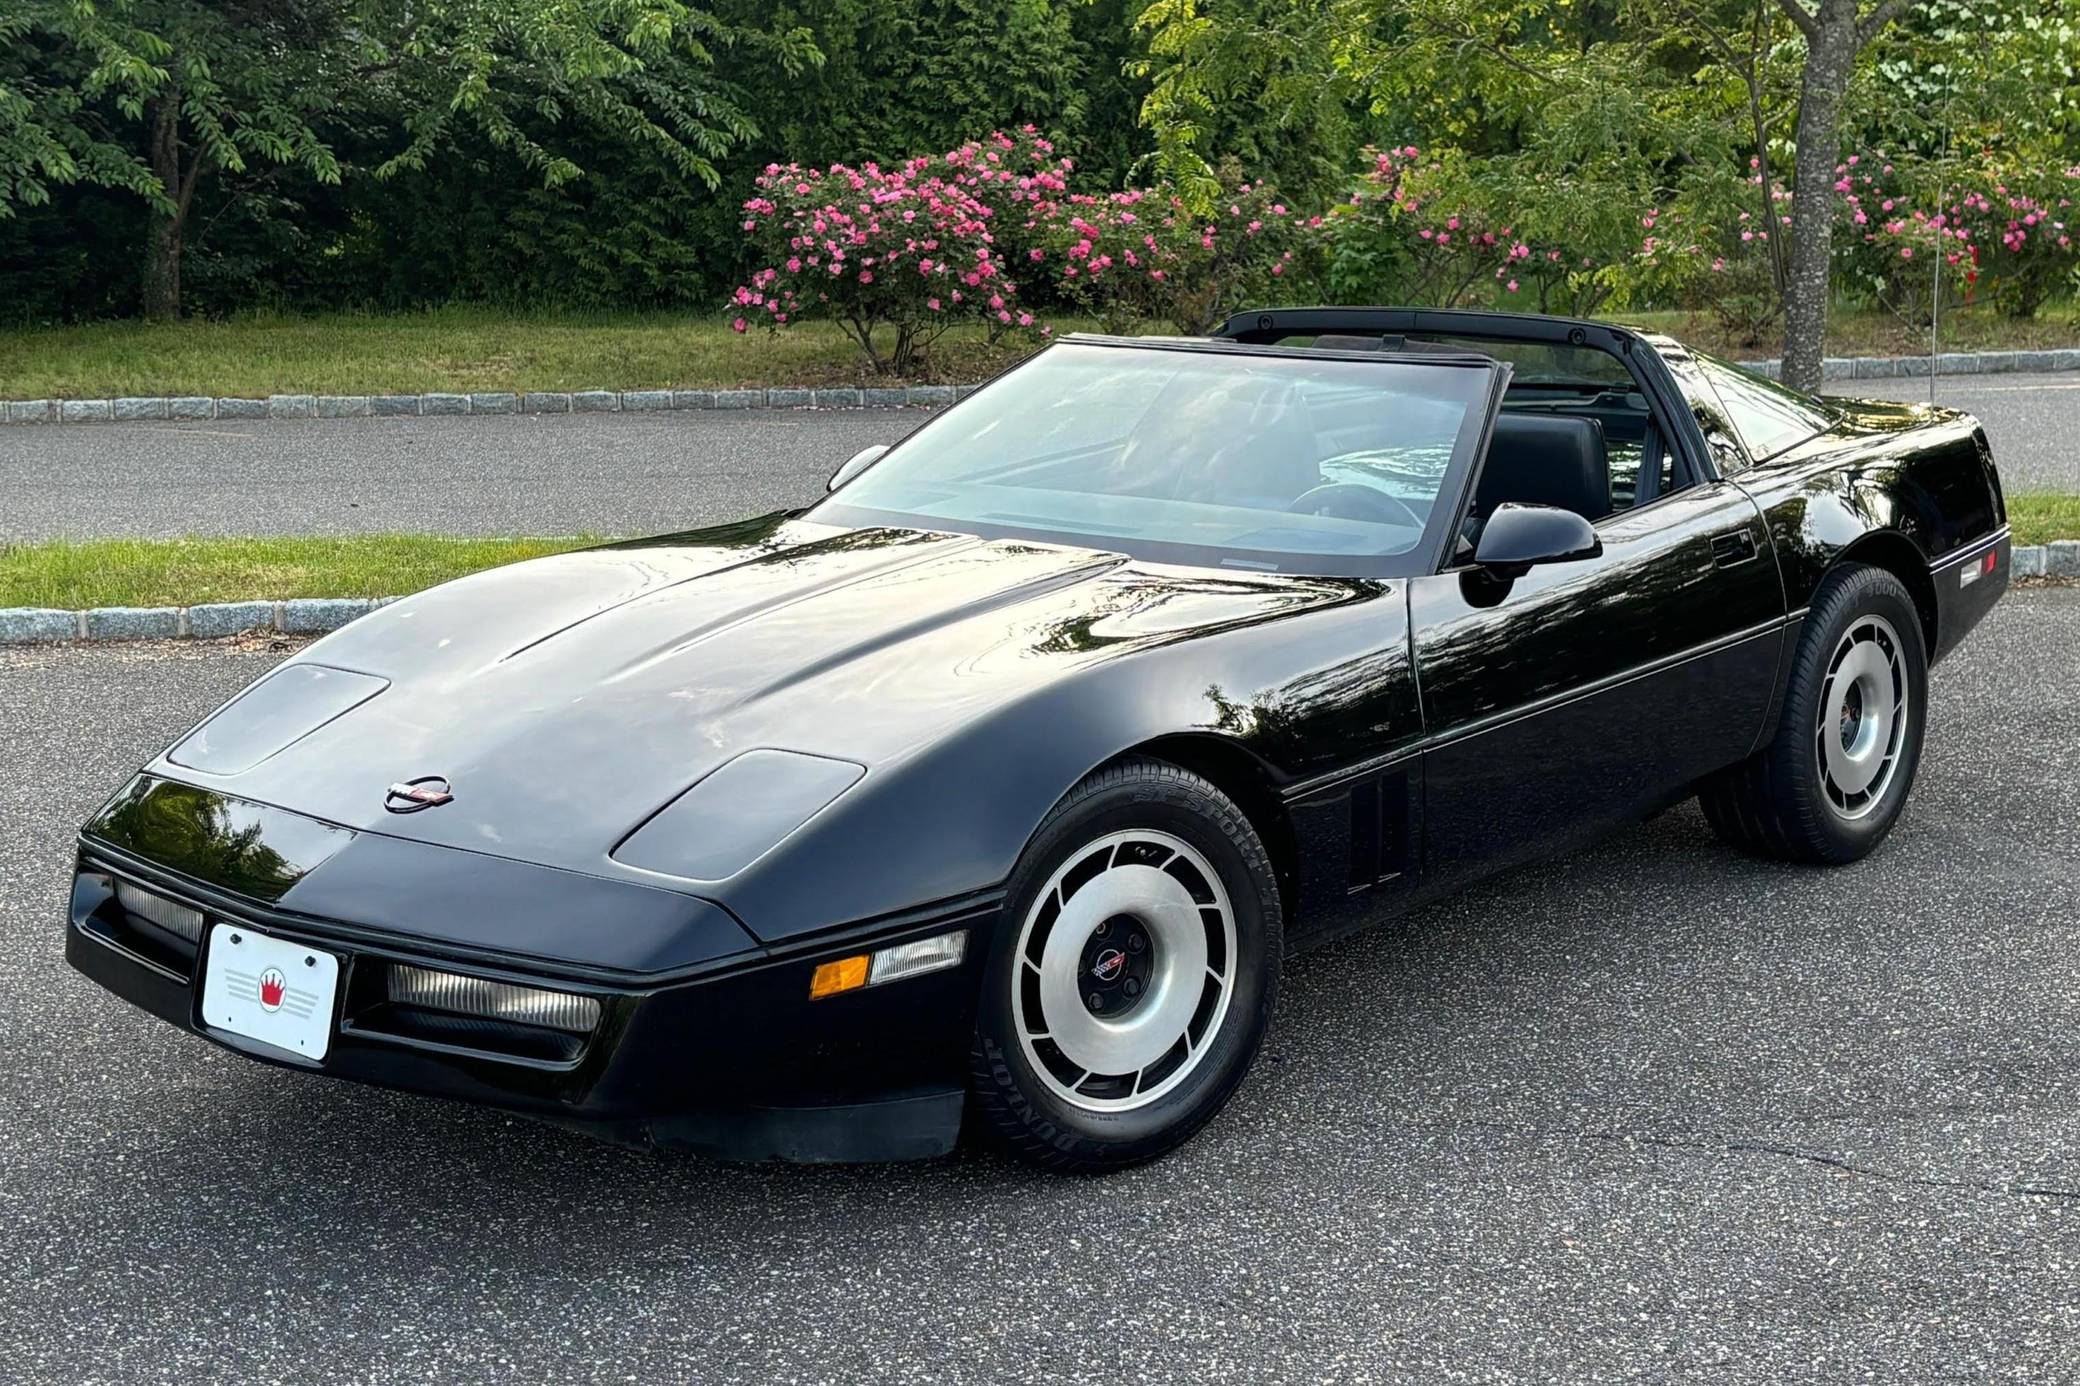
(1935, 302)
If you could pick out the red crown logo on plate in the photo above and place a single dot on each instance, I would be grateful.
(272, 986)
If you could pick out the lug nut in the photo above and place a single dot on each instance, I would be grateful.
(1133, 987)
(1135, 943)
(1097, 1002)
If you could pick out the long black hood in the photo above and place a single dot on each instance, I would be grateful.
(565, 700)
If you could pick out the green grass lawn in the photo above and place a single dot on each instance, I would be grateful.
(458, 349)
(465, 349)
(76, 574)
(2038, 517)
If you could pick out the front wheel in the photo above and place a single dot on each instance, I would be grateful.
(1135, 975)
(1830, 785)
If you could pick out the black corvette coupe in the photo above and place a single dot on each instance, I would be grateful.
(996, 785)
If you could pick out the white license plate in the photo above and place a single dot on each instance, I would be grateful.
(268, 989)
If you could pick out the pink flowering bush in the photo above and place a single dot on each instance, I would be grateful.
(1887, 244)
(1141, 255)
(1437, 231)
(1017, 177)
(2016, 230)
(2002, 234)
(985, 232)
(1714, 244)
(893, 256)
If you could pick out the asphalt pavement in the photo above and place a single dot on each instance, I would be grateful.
(613, 474)
(1653, 1111)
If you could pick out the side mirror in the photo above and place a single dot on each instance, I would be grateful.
(1517, 536)
(854, 465)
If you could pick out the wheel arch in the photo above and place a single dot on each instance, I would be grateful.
(1239, 774)
(1900, 556)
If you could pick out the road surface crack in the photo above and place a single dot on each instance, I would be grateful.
(1817, 1157)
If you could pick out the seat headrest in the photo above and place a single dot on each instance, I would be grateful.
(1546, 459)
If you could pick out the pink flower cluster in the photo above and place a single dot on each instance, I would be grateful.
(910, 248)
(975, 233)
(2004, 228)
(1142, 253)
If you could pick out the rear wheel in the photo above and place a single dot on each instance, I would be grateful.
(1135, 975)
(1830, 785)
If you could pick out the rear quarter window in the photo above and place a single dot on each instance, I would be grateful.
(1767, 417)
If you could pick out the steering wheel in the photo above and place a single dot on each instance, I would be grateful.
(1348, 500)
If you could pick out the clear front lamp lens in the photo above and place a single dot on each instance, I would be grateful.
(925, 955)
(456, 994)
(179, 920)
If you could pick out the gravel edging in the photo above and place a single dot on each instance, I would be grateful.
(29, 625)
(154, 408)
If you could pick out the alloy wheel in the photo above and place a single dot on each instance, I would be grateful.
(1862, 719)
(1124, 970)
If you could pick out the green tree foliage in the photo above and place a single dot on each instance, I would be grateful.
(581, 151)
(291, 153)
(898, 79)
(1594, 94)
(160, 97)
(1279, 85)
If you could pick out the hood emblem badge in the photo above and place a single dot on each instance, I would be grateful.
(428, 791)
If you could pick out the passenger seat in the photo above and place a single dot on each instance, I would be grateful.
(1544, 459)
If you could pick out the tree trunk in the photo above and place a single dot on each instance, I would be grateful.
(162, 256)
(162, 268)
(1831, 45)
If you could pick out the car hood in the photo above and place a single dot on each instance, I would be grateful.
(566, 699)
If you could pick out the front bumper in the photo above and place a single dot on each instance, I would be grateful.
(731, 1059)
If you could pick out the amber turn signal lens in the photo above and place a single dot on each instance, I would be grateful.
(846, 974)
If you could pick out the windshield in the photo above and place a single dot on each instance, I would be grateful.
(1287, 463)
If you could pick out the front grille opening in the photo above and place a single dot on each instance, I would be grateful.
(506, 1020)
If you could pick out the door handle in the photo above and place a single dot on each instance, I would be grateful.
(1729, 550)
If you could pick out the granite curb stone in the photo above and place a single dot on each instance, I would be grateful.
(133, 623)
(143, 408)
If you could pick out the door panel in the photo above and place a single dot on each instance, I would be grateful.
(1583, 695)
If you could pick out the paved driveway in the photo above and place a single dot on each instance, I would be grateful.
(1653, 1111)
(547, 474)
(613, 473)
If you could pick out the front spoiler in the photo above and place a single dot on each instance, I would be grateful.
(736, 1063)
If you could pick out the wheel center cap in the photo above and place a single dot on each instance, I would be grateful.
(1852, 715)
(1118, 960)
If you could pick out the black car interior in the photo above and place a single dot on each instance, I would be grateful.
(1574, 430)
(1545, 459)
